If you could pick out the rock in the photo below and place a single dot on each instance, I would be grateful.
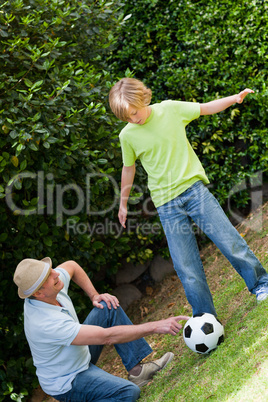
(39, 396)
(127, 294)
(160, 268)
(130, 272)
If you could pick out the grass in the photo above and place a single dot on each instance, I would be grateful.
(238, 369)
(226, 374)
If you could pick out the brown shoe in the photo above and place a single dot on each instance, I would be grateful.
(150, 369)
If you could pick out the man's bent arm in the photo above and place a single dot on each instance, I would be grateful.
(79, 276)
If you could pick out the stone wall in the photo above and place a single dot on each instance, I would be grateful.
(131, 280)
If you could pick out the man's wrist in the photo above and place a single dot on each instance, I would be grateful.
(93, 296)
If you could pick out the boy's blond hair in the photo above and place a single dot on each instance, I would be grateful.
(126, 93)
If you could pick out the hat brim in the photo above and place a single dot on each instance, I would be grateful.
(48, 261)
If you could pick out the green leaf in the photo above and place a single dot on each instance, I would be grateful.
(3, 237)
(23, 164)
(44, 228)
(102, 161)
(97, 245)
(33, 146)
(48, 241)
(28, 82)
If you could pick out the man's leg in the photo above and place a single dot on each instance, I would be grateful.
(131, 353)
(94, 384)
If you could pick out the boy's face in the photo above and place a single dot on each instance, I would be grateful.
(138, 116)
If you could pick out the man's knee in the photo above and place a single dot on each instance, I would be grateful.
(134, 392)
(126, 392)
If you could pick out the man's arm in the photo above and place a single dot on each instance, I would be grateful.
(79, 276)
(127, 178)
(95, 335)
(219, 105)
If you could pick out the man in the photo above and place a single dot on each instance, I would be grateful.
(65, 352)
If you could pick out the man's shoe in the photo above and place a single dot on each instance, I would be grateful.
(148, 370)
(262, 294)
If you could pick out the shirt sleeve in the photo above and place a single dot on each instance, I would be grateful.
(184, 111)
(61, 331)
(189, 111)
(128, 153)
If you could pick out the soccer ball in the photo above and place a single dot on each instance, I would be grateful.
(203, 333)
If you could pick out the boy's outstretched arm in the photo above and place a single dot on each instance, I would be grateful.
(128, 174)
(219, 105)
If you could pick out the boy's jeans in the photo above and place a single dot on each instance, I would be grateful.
(94, 384)
(199, 205)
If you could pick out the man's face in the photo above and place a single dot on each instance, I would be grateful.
(138, 116)
(52, 286)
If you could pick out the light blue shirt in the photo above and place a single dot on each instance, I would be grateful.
(50, 331)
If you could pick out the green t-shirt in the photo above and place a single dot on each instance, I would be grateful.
(164, 150)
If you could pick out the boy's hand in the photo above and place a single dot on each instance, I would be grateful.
(122, 216)
(243, 94)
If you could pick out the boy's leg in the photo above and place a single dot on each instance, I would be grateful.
(95, 384)
(131, 353)
(205, 210)
(185, 255)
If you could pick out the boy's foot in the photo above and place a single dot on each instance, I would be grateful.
(262, 294)
(150, 369)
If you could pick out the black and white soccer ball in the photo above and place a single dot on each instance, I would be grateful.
(203, 333)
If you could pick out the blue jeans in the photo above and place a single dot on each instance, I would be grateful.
(199, 205)
(94, 384)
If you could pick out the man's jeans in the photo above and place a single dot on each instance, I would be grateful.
(199, 205)
(94, 384)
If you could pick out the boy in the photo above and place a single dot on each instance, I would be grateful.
(176, 179)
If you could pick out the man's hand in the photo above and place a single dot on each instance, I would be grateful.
(243, 94)
(170, 325)
(110, 300)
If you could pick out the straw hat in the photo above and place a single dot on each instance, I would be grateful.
(30, 275)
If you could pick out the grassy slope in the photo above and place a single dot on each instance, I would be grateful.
(238, 369)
